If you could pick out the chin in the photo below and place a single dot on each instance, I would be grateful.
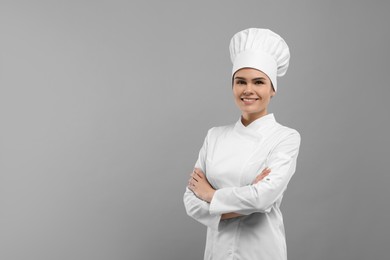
(253, 111)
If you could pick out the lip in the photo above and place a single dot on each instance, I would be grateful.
(253, 100)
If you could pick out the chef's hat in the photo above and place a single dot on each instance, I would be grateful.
(260, 49)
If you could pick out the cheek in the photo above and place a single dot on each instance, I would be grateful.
(236, 94)
(266, 95)
(265, 98)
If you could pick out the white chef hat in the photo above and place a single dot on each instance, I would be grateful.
(260, 49)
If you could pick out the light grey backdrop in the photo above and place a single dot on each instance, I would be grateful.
(104, 106)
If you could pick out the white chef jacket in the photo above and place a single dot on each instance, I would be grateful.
(231, 157)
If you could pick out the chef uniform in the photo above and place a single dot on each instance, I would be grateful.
(233, 155)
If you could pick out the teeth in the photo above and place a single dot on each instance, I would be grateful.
(249, 99)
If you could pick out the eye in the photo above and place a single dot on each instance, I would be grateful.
(240, 82)
(259, 82)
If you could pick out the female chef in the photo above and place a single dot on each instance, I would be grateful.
(243, 169)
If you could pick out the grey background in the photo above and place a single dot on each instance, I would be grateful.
(104, 106)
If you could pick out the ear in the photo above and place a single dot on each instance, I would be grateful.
(273, 93)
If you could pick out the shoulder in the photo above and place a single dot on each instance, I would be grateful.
(286, 132)
(217, 131)
(285, 141)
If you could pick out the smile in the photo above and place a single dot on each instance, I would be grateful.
(249, 101)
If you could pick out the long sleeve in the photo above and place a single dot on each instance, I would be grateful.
(261, 196)
(196, 208)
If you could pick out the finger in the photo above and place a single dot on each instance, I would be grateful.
(260, 177)
(257, 178)
(199, 172)
(195, 176)
(266, 170)
(264, 174)
(191, 183)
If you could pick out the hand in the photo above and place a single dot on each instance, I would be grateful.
(262, 175)
(199, 184)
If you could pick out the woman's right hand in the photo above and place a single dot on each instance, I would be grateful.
(262, 175)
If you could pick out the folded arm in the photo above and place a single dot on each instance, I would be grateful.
(261, 196)
(199, 184)
(197, 208)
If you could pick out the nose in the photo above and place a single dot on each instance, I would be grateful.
(248, 89)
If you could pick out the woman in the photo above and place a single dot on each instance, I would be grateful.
(243, 169)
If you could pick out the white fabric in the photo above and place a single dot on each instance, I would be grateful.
(231, 157)
(261, 49)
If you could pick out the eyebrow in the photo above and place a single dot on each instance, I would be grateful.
(252, 79)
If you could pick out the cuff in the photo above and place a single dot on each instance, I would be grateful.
(213, 221)
(215, 203)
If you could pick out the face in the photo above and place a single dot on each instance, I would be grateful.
(252, 90)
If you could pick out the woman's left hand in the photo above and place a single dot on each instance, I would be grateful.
(199, 184)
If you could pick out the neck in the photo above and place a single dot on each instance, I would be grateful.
(246, 119)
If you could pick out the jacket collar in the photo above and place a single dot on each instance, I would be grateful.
(256, 129)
